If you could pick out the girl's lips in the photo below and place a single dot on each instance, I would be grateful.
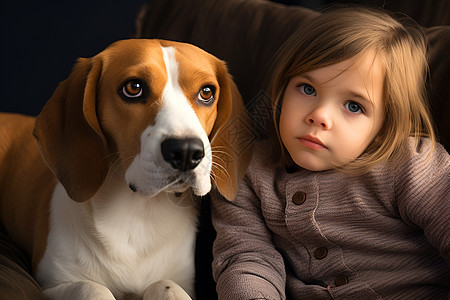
(311, 142)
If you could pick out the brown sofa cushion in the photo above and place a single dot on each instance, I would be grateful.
(247, 33)
(439, 60)
(15, 279)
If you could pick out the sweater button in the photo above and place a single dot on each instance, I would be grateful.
(299, 198)
(320, 253)
(340, 280)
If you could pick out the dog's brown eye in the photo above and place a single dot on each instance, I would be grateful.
(206, 93)
(132, 89)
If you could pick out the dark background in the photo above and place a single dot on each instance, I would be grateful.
(41, 40)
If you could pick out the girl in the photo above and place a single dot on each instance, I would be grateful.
(356, 203)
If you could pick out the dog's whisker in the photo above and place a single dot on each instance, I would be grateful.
(213, 177)
(225, 153)
(116, 165)
(219, 148)
(222, 169)
(107, 157)
(119, 162)
(217, 159)
(218, 154)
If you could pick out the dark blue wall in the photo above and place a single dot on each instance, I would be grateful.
(40, 41)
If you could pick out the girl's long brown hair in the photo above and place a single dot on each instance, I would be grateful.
(340, 34)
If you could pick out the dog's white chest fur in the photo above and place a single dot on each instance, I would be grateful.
(125, 243)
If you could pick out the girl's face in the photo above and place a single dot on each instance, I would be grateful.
(330, 115)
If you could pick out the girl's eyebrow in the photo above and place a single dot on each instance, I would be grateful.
(308, 77)
(359, 96)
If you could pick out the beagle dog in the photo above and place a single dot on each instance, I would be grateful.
(104, 201)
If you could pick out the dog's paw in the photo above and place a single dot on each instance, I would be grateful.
(165, 290)
(82, 290)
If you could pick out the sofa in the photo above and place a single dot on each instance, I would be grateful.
(246, 34)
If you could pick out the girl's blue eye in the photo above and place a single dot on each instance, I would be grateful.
(353, 107)
(307, 89)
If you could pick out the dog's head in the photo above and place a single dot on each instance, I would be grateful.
(165, 115)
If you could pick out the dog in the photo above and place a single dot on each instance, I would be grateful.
(103, 196)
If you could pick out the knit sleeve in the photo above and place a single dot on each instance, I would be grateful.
(423, 194)
(246, 264)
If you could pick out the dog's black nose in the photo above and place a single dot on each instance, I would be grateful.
(183, 154)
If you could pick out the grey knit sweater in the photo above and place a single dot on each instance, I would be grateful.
(328, 235)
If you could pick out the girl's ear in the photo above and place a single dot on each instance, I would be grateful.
(231, 137)
(69, 135)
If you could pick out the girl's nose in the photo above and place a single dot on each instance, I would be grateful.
(320, 117)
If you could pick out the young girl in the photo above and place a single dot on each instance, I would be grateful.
(356, 205)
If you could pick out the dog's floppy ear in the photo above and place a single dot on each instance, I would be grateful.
(231, 137)
(69, 135)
